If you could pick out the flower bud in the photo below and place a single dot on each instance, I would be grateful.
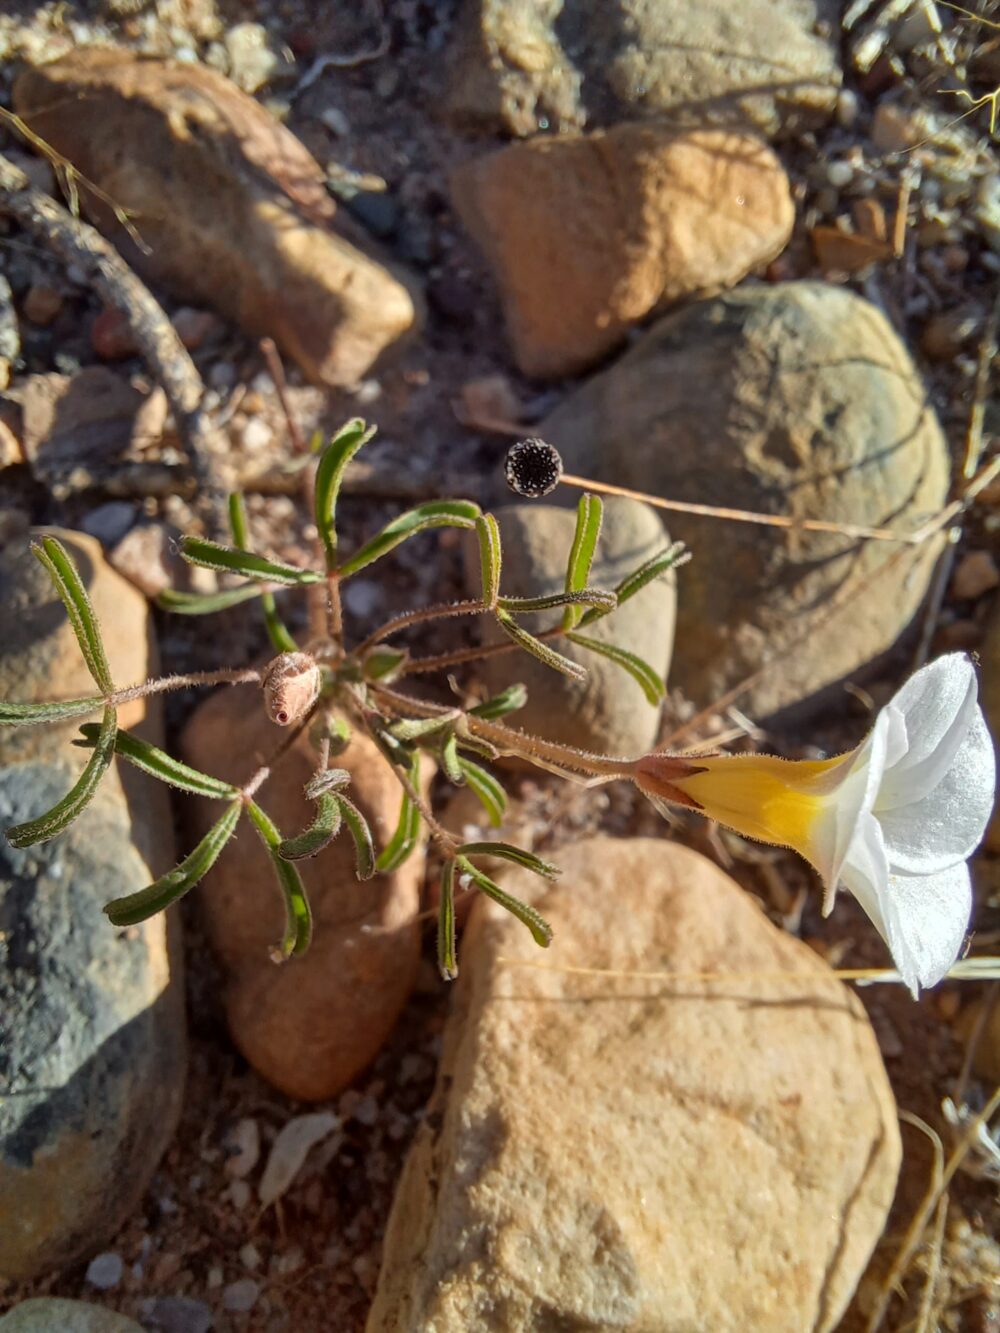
(291, 686)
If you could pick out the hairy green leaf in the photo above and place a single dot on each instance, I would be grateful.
(639, 669)
(541, 931)
(412, 728)
(507, 701)
(68, 584)
(447, 957)
(384, 664)
(539, 649)
(508, 851)
(674, 555)
(320, 832)
(161, 765)
(26, 715)
(168, 888)
(358, 828)
(211, 555)
(449, 759)
(329, 476)
(490, 559)
(206, 603)
(298, 917)
(589, 513)
(277, 631)
(433, 514)
(331, 779)
(486, 788)
(404, 841)
(583, 597)
(63, 813)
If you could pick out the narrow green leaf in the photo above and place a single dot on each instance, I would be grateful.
(433, 514)
(206, 603)
(488, 532)
(486, 788)
(298, 918)
(329, 476)
(403, 841)
(449, 759)
(541, 931)
(447, 957)
(481, 747)
(211, 555)
(589, 513)
(27, 715)
(540, 650)
(639, 669)
(412, 728)
(509, 852)
(583, 597)
(66, 578)
(161, 765)
(168, 888)
(507, 701)
(277, 631)
(674, 555)
(358, 828)
(63, 813)
(384, 664)
(331, 779)
(321, 831)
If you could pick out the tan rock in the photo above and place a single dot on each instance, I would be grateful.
(794, 399)
(975, 574)
(230, 204)
(51, 1314)
(39, 655)
(626, 1152)
(587, 235)
(312, 1024)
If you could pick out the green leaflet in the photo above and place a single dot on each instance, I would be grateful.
(407, 834)
(447, 957)
(212, 555)
(640, 670)
(173, 885)
(320, 832)
(205, 604)
(487, 789)
(488, 533)
(605, 601)
(161, 765)
(509, 852)
(581, 556)
(329, 476)
(539, 649)
(676, 554)
(27, 715)
(66, 577)
(433, 514)
(63, 813)
(358, 828)
(507, 701)
(277, 631)
(541, 931)
(298, 918)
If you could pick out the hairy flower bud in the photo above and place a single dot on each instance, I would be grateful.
(291, 686)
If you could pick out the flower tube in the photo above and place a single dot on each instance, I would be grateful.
(894, 821)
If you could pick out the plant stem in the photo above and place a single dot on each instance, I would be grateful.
(447, 841)
(441, 611)
(245, 676)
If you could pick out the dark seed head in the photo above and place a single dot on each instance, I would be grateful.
(532, 468)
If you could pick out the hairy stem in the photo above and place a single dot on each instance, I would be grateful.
(441, 611)
(245, 676)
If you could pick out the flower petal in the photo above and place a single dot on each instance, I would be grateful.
(943, 827)
(927, 917)
(853, 800)
(937, 707)
(865, 872)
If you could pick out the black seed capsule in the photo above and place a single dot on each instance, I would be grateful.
(532, 468)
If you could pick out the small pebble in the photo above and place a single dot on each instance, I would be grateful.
(110, 522)
(42, 305)
(362, 597)
(243, 1143)
(239, 1194)
(848, 108)
(176, 1314)
(257, 434)
(975, 574)
(840, 174)
(335, 121)
(250, 1256)
(241, 1296)
(105, 1271)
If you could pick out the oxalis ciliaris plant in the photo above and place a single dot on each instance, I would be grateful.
(894, 820)
(330, 687)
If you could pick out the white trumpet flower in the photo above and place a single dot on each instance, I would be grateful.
(894, 821)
